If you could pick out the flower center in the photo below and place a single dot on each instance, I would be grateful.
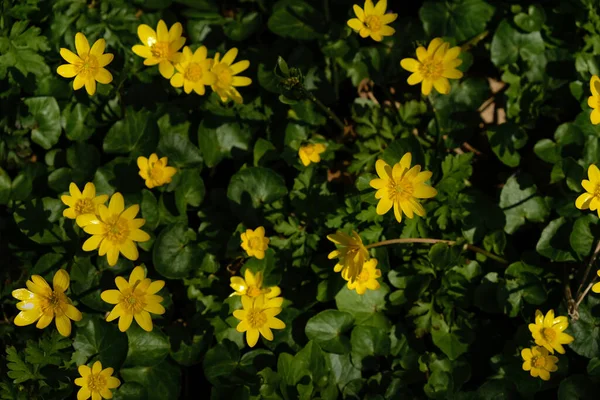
(402, 189)
(160, 50)
(224, 75)
(431, 69)
(254, 291)
(548, 334)
(84, 206)
(256, 318)
(363, 276)
(309, 150)
(89, 66)
(117, 229)
(133, 302)
(193, 72)
(538, 362)
(256, 243)
(373, 23)
(155, 172)
(96, 383)
(54, 302)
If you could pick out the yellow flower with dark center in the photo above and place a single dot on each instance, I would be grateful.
(591, 198)
(155, 171)
(161, 46)
(548, 331)
(434, 66)
(538, 362)
(255, 243)
(351, 254)
(193, 71)
(252, 285)
(311, 153)
(134, 299)
(373, 21)
(594, 100)
(115, 230)
(43, 304)
(87, 66)
(81, 203)
(96, 382)
(367, 279)
(258, 317)
(226, 79)
(401, 187)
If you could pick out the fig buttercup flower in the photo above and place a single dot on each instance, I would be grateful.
(434, 66)
(548, 331)
(96, 382)
(591, 198)
(41, 303)
(367, 279)
(226, 80)
(352, 254)
(252, 285)
(538, 362)
(193, 71)
(161, 46)
(135, 299)
(80, 203)
(258, 317)
(115, 230)
(594, 100)
(311, 153)
(401, 187)
(255, 243)
(373, 21)
(87, 66)
(596, 287)
(155, 171)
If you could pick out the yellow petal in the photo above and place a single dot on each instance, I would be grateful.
(594, 82)
(166, 69)
(84, 393)
(103, 76)
(125, 321)
(424, 192)
(69, 56)
(117, 204)
(252, 337)
(61, 280)
(90, 86)
(442, 85)
(155, 308)
(230, 56)
(384, 205)
(112, 256)
(63, 324)
(27, 317)
(369, 7)
(355, 24)
(137, 275)
(415, 78)
(139, 235)
(73, 313)
(162, 33)
(380, 7)
(144, 320)
(241, 81)
(146, 35)
(111, 296)
(92, 243)
(410, 64)
(79, 82)
(583, 201)
(142, 51)
(81, 44)
(67, 70)
(22, 294)
(98, 47)
(175, 31)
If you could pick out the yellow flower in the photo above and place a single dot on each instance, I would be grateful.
(372, 21)
(42, 304)
(537, 361)
(193, 71)
(115, 230)
(311, 153)
(401, 187)
(258, 317)
(591, 198)
(134, 299)
(160, 47)
(351, 254)
(548, 331)
(252, 286)
(594, 100)
(226, 79)
(255, 243)
(82, 203)
(96, 382)
(434, 66)
(367, 279)
(155, 171)
(87, 66)
(596, 287)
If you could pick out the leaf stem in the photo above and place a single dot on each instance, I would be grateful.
(588, 268)
(324, 108)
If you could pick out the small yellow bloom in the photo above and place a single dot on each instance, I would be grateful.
(82, 203)
(87, 66)
(255, 243)
(155, 171)
(42, 304)
(367, 279)
(226, 79)
(161, 46)
(594, 100)
(434, 66)
(252, 286)
(311, 153)
(96, 382)
(134, 299)
(373, 21)
(401, 187)
(538, 362)
(115, 230)
(351, 254)
(258, 317)
(591, 198)
(548, 331)
(193, 71)
(596, 287)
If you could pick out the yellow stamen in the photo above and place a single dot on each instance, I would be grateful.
(256, 318)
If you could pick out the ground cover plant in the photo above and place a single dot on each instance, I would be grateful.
(299, 199)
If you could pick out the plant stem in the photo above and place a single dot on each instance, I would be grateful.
(324, 108)
(433, 241)
(585, 292)
(587, 270)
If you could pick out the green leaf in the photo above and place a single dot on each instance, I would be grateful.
(130, 391)
(5, 187)
(506, 140)
(508, 45)
(448, 338)
(174, 252)
(20, 50)
(326, 329)
(190, 190)
(547, 150)
(296, 19)
(46, 113)
(175, 144)
(41, 220)
(219, 139)
(100, 339)
(368, 341)
(520, 202)
(361, 307)
(262, 185)
(220, 362)
(161, 381)
(242, 28)
(533, 20)
(310, 360)
(586, 329)
(19, 370)
(79, 122)
(136, 134)
(459, 19)
(262, 148)
(146, 348)
(577, 387)
(554, 241)
(582, 237)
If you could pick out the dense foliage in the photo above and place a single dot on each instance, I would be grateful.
(295, 152)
